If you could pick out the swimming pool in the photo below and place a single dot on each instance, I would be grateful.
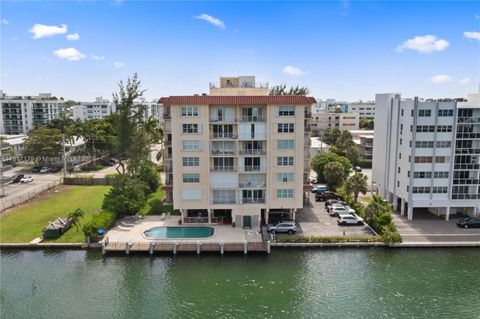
(179, 232)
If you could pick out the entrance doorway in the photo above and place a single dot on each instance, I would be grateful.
(247, 222)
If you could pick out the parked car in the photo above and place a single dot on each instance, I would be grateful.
(350, 219)
(56, 169)
(18, 178)
(320, 197)
(319, 189)
(286, 227)
(337, 204)
(278, 217)
(106, 162)
(337, 211)
(329, 202)
(26, 179)
(357, 169)
(45, 169)
(469, 222)
(36, 169)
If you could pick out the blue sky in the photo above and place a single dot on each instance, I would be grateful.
(347, 50)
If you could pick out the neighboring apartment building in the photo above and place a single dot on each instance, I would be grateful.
(237, 154)
(363, 109)
(344, 121)
(98, 109)
(20, 114)
(427, 154)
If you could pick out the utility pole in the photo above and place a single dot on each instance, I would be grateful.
(64, 157)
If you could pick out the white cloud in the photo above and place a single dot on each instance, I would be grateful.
(441, 79)
(70, 54)
(4, 21)
(73, 36)
(42, 30)
(216, 22)
(464, 82)
(97, 57)
(477, 16)
(474, 35)
(424, 44)
(292, 70)
(119, 65)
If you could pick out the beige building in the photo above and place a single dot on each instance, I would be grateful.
(237, 154)
(344, 121)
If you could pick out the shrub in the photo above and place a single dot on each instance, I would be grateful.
(390, 234)
(125, 198)
(365, 163)
(105, 219)
(149, 175)
(328, 239)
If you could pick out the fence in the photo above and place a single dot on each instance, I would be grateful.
(7, 203)
(88, 181)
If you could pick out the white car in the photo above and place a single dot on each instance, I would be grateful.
(336, 211)
(285, 227)
(350, 219)
(26, 179)
(335, 205)
(45, 169)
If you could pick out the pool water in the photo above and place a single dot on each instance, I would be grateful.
(179, 232)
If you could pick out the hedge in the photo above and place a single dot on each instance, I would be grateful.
(329, 239)
(364, 163)
(105, 220)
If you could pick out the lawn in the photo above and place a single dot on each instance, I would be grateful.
(26, 223)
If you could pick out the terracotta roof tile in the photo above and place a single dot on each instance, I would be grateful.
(240, 100)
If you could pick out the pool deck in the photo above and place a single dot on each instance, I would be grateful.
(128, 236)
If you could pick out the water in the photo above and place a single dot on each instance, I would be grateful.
(179, 232)
(370, 283)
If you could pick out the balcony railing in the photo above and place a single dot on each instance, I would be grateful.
(468, 120)
(252, 152)
(249, 200)
(468, 135)
(168, 169)
(465, 196)
(224, 201)
(252, 185)
(466, 166)
(167, 115)
(223, 135)
(308, 128)
(253, 168)
(308, 115)
(195, 220)
(168, 182)
(253, 118)
(223, 119)
(219, 152)
(223, 169)
(167, 143)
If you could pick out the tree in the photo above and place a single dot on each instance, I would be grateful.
(75, 216)
(126, 197)
(319, 162)
(345, 146)
(334, 174)
(282, 90)
(357, 183)
(330, 135)
(62, 123)
(366, 124)
(69, 103)
(43, 144)
(377, 207)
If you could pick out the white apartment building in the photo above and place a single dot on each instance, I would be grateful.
(363, 109)
(344, 121)
(20, 114)
(98, 109)
(237, 154)
(427, 154)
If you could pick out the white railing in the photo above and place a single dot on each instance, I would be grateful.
(252, 152)
(222, 152)
(252, 184)
(223, 135)
(223, 169)
(253, 118)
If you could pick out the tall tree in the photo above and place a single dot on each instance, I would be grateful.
(75, 217)
(44, 144)
(282, 90)
(366, 124)
(334, 174)
(355, 184)
(318, 163)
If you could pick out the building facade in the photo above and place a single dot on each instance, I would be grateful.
(20, 114)
(344, 121)
(363, 109)
(234, 158)
(427, 154)
(98, 109)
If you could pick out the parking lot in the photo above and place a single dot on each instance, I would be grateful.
(315, 221)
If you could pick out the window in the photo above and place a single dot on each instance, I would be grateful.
(284, 177)
(421, 190)
(444, 144)
(424, 144)
(285, 161)
(284, 193)
(190, 161)
(425, 128)
(444, 128)
(399, 170)
(286, 110)
(398, 183)
(399, 155)
(424, 113)
(191, 146)
(442, 159)
(402, 112)
(191, 178)
(440, 175)
(190, 128)
(286, 128)
(189, 111)
(445, 112)
(400, 141)
(440, 189)
(422, 174)
(285, 144)
(423, 159)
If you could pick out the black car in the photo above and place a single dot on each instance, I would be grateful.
(36, 169)
(469, 222)
(320, 197)
(278, 217)
(17, 178)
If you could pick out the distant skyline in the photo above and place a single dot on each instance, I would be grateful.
(346, 50)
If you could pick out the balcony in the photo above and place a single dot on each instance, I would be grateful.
(251, 200)
(167, 143)
(253, 118)
(223, 169)
(167, 116)
(308, 128)
(168, 169)
(254, 168)
(468, 135)
(225, 200)
(251, 185)
(308, 115)
(168, 182)
(220, 136)
(252, 152)
(223, 119)
(222, 152)
(467, 166)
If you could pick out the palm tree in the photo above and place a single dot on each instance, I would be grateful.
(282, 90)
(357, 183)
(75, 216)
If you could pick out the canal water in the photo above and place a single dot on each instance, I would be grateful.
(362, 283)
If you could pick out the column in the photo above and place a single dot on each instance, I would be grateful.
(410, 212)
(475, 211)
(447, 214)
(395, 203)
(402, 207)
(209, 212)
(266, 216)
(293, 214)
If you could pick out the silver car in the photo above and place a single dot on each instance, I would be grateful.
(289, 228)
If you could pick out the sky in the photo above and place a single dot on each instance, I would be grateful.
(347, 50)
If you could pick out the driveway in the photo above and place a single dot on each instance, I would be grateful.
(427, 227)
(315, 221)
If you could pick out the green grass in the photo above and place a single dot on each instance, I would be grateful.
(365, 199)
(26, 223)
